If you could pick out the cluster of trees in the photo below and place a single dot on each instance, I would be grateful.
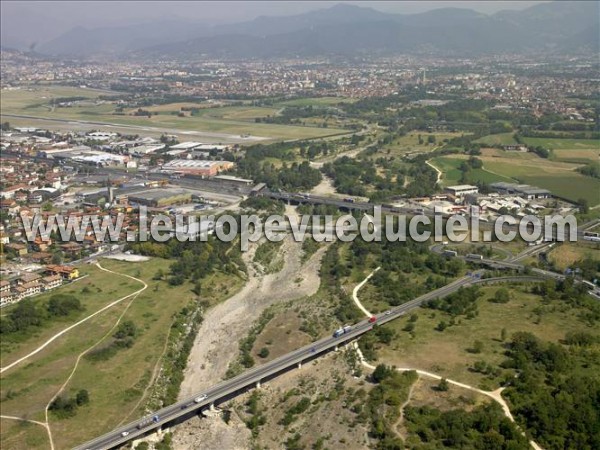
(28, 314)
(382, 408)
(291, 176)
(179, 349)
(461, 302)
(245, 358)
(466, 168)
(192, 260)
(351, 176)
(557, 392)
(331, 273)
(590, 170)
(485, 427)
(255, 411)
(291, 413)
(263, 205)
(123, 338)
(295, 114)
(360, 177)
(64, 407)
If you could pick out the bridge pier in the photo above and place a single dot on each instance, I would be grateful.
(335, 349)
(258, 384)
(212, 407)
(300, 365)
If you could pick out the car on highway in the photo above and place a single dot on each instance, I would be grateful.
(372, 319)
(125, 433)
(200, 398)
(387, 313)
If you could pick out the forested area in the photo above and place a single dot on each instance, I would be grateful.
(360, 177)
(484, 428)
(557, 393)
(193, 260)
(29, 314)
(291, 176)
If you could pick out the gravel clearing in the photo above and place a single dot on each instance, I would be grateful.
(225, 325)
(228, 322)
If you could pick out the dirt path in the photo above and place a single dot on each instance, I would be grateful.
(494, 395)
(439, 172)
(227, 323)
(85, 319)
(358, 288)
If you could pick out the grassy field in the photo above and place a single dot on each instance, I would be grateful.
(565, 255)
(409, 143)
(447, 353)
(563, 144)
(452, 175)
(497, 139)
(559, 177)
(115, 385)
(233, 120)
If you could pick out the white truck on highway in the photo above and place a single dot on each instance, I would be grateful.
(343, 330)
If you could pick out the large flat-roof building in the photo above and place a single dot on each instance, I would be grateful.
(522, 190)
(197, 167)
(462, 190)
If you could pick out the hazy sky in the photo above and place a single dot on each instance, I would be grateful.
(43, 20)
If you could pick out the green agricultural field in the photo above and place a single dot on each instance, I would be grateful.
(448, 353)
(452, 175)
(563, 144)
(559, 177)
(575, 156)
(497, 139)
(116, 385)
(15, 101)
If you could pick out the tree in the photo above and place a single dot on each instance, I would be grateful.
(197, 289)
(443, 385)
(57, 257)
(82, 397)
(502, 295)
(441, 326)
(264, 352)
(584, 207)
(159, 275)
(381, 372)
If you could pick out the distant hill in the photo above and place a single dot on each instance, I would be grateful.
(349, 30)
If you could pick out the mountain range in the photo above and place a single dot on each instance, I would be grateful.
(348, 30)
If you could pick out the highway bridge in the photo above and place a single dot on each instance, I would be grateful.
(228, 389)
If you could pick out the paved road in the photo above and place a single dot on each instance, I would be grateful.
(229, 388)
(300, 198)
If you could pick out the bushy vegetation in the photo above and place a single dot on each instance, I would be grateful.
(123, 338)
(291, 176)
(484, 428)
(557, 401)
(28, 314)
(382, 408)
(192, 260)
(63, 407)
